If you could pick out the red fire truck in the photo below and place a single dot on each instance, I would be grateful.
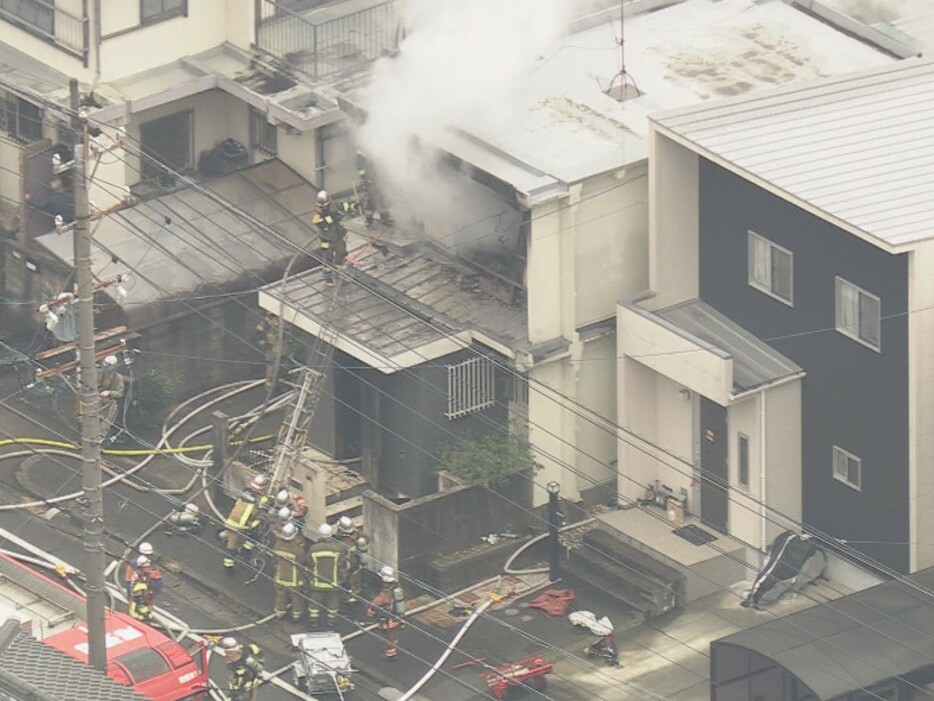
(138, 655)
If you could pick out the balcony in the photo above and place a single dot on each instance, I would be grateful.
(65, 30)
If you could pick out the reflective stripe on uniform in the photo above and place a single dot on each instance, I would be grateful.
(292, 581)
(325, 580)
(240, 523)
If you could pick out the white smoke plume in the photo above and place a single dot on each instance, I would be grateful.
(460, 65)
(915, 17)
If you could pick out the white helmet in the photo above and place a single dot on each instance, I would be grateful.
(143, 561)
(387, 574)
(110, 361)
(259, 482)
(229, 645)
(192, 509)
(288, 531)
(325, 531)
(283, 498)
(284, 514)
(345, 525)
(145, 548)
(323, 199)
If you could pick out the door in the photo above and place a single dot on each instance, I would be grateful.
(167, 139)
(713, 463)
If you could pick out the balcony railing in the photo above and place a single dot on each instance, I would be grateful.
(65, 30)
(322, 43)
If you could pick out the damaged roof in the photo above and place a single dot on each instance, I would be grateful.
(421, 305)
(755, 363)
(185, 241)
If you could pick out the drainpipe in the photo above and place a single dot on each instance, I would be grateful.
(763, 495)
(96, 42)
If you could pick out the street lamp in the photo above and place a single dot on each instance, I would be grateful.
(554, 522)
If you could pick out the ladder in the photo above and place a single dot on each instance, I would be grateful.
(308, 388)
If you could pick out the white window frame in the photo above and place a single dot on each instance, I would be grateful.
(841, 468)
(471, 387)
(759, 277)
(847, 313)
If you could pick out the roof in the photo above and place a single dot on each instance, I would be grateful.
(28, 666)
(563, 128)
(912, 22)
(421, 304)
(851, 643)
(755, 363)
(32, 74)
(183, 240)
(859, 148)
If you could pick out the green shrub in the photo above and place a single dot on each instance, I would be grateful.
(488, 459)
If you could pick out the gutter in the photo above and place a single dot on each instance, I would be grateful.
(768, 385)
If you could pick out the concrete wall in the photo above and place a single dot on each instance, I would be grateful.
(549, 282)
(921, 399)
(673, 222)
(552, 427)
(217, 115)
(745, 514)
(783, 458)
(411, 535)
(610, 243)
(299, 151)
(595, 435)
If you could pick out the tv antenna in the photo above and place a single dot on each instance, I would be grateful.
(622, 87)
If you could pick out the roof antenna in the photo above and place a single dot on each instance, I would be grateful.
(622, 87)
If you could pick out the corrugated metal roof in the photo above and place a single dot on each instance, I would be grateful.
(850, 644)
(860, 147)
(26, 662)
(755, 363)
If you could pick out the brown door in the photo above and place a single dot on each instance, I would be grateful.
(714, 495)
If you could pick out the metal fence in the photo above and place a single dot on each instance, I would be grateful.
(321, 42)
(42, 18)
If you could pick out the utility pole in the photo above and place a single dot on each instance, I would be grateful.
(92, 502)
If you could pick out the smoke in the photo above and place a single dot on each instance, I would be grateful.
(914, 16)
(462, 63)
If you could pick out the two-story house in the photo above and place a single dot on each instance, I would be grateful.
(561, 235)
(784, 359)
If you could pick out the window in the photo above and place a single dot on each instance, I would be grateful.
(19, 119)
(263, 135)
(142, 664)
(35, 14)
(743, 454)
(858, 314)
(158, 10)
(770, 268)
(847, 468)
(470, 387)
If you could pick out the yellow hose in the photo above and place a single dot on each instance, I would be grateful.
(135, 451)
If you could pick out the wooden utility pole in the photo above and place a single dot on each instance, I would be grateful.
(92, 502)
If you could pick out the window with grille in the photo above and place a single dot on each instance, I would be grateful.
(158, 10)
(859, 314)
(19, 119)
(847, 468)
(470, 387)
(519, 389)
(263, 135)
(770, 268)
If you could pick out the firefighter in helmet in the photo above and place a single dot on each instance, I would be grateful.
(332, 234)
(245, 664)
(241, 528)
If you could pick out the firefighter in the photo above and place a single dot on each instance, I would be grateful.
(372, 201)
(184, 520)
(349, 535)
(245, 664)
(295, 502)
(110, 387)
(388, 608)
(140, 606)
(268, 340)
(244, 521)
(333, 235)
(327, 562)
(154, 574)
(290, 563)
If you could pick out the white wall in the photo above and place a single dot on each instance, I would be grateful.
(298, 150)
(10, 181)
(921, 403)
(611, 243)
(552, 428)
(673, 222)
(655, 413)
(596, 432)
(783, 458)
(217, 115)
(543, 273)
(745, 515)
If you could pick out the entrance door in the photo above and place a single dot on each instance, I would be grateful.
(713, 462)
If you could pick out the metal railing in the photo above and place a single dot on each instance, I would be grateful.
(57, 26)
(322, 43)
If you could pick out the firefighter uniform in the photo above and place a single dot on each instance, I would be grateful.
(242, 525)
(267, 339)
(388, 608)
(153, 575)
(245, 665)
(141, 600)
(332, 234)
(371, 197)
(288, 580)
(356, 544)
(327, 562)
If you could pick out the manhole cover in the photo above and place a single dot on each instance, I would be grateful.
(511, 612)
(526, 618)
